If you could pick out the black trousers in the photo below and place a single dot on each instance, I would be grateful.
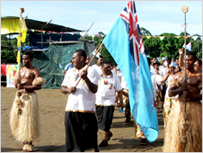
(105, 117)
(81, 131)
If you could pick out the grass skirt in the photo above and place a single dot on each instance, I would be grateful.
(25, 126)
(175, 138)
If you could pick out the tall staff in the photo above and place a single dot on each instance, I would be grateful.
(91, 61)
(20, 37)
(185, 10)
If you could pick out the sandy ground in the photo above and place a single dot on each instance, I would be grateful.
(52, 131)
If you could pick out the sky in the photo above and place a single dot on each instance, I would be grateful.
(156, 16)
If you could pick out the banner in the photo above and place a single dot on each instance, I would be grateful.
(11, 72)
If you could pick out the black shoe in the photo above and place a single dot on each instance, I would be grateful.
(110, 135)
(128, 119)
(143, 142)
(104, 143)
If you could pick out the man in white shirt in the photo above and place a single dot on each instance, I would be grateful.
(109, 84)
(97, 65)
(80, 118)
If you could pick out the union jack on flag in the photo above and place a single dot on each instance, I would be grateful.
(129, 17)
(124, 43)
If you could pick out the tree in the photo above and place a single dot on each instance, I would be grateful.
(197, 46)
(170, 45)
(8, 49)
(152, 46)
(145, 32)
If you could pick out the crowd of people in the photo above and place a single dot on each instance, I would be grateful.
(95, 91)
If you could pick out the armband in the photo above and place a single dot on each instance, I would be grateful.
(39, 81)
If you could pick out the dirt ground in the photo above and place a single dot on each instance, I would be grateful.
(52, 131)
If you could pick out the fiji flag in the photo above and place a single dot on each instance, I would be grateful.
(124, 42)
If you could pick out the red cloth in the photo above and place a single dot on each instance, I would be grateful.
(3, 69)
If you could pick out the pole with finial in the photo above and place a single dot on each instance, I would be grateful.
(185, 125)
(185, 10)
(18, 101)
(21, 11)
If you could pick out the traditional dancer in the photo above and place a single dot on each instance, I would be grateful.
(184, 127)
(24, 115)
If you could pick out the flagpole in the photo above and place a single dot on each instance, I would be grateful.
(185, 10)
(19, 57)
(20, 35)
(91, 61)
(88, 30)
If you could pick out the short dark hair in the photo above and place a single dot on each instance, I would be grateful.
(114, 64)
(81, 52)
(191, 53)
(30, 54)
(99, 56)
(105, 62)
(156, 63)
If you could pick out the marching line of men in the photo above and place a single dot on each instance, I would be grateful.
(91, 101)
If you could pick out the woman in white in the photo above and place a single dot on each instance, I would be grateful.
(169, 101)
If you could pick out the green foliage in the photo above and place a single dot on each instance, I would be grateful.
(104, 52)
(145, 32)
(98, 38)
(169, 46)
(152, 46)
(9, 48)
(197, 48)
(155, 47)
(106, 55)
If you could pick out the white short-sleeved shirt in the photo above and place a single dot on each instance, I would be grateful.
(82, 100)
(107, 88)
(123, 83)
(122, 79)
(156, 79)
(97, 68)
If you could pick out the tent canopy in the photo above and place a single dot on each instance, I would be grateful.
(38, 25)
(51, 61)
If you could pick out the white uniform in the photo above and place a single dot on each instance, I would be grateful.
(156, 79)
(81, 100)
(107, 88)
(97, 68)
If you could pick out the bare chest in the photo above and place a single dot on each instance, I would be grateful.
(27, 76)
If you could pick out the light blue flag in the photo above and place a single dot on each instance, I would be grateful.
(188, 46)
(124, 43)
